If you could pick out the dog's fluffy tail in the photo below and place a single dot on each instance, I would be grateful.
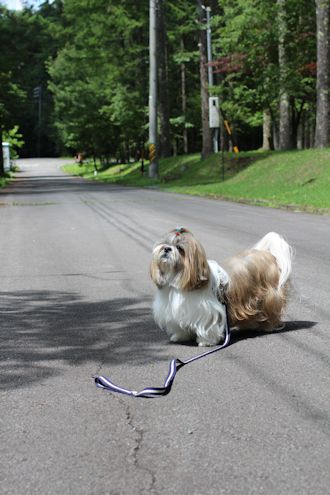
(280, 249)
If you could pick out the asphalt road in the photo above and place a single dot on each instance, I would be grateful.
(76, 301)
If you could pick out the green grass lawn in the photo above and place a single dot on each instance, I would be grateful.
(292, 179)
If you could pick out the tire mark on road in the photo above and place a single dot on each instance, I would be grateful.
(127, 283)
(128, 230)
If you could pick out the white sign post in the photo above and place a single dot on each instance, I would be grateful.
(214, 119)
(214, 116)
(6, 156)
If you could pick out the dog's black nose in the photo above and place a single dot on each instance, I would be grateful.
(167, 249)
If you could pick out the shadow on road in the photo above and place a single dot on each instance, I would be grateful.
(44, 331)
(289, 326)
(45, 185)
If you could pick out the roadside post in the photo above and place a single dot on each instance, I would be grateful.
(6, 156)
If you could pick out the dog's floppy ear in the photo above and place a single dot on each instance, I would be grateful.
(156, 275)
(196, 271)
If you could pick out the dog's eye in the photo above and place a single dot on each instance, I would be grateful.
(180, 249)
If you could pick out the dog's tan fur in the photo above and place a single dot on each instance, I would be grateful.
(195, 272)
(253, 296)
(255, 288)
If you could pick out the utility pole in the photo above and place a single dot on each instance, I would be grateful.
(209, 45)
(153, 167)
(206, 131)
(210, 69)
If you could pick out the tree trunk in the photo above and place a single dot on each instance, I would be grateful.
(2, 170)
(206, 131)
(184, 100)
(312, 135)
(301, 133)
(164, 112)
(267, 131)
(153, 90)
(322, 78)
(307, 134)
(285, 128)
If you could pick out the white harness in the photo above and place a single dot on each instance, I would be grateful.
(219, 281)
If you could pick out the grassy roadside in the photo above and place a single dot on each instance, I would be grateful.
(294, 179)
(4, 181)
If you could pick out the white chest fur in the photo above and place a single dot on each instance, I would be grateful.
(196, 314)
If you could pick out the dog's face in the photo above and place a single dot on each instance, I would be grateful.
(179, 260)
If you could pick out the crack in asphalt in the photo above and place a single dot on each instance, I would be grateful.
(136, 449)
(138, 437)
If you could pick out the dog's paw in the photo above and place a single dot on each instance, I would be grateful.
(205, 344)
(177, 338)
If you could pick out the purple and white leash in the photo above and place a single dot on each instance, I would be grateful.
(175, 365)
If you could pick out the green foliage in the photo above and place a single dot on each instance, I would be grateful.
(26, 43)
(3, 182)
(182, 48)
(15, 139)
(91, 59)
(96, 77)
(247, 42)
(99, 77)
(11, 95)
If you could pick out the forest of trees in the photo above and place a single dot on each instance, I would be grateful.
(74, 75)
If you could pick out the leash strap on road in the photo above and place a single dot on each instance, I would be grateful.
(175, 365)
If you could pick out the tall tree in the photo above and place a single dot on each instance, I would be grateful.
(97, 55)
(322, 84)
(99, 77)
(247, 65)
(285, 129)
(267, 143)
(184, 82)
(163, 83)
(184, 97)
(267, 59)
(28, 47)
(12, 96)
(204, 88)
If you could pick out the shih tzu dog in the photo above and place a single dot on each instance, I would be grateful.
(193, 292)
